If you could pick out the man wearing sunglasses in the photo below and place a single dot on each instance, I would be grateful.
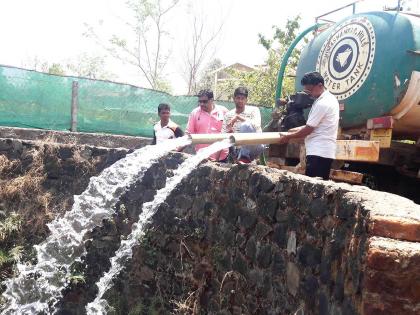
(320, 131)
(207, 118)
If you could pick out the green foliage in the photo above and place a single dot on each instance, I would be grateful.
(77, 279)
(262, 81)
(10, 225)
(4, 258)
(89, 66)
(57, 69)
(207, 78)
(12, 256)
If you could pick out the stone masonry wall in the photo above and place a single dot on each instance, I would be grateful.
(253, 240)
(239, 240)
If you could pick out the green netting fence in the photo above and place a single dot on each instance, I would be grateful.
(31, 99)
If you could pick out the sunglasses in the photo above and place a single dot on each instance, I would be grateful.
(203, 101)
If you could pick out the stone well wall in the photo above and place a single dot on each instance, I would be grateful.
(245, 240)
(253, 240)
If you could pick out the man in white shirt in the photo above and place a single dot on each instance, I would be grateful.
(320, 131)
(243, 118)
(165, 128)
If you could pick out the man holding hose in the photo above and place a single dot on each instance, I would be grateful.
(320, 131)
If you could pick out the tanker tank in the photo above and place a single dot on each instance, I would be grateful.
(371, 63)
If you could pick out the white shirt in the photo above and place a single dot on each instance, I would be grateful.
(251, 114)
(323, 117)
(165, 132)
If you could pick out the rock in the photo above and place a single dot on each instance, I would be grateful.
(345, 210)
(241, 240)
(279, 187)
(239, 264)
(146, 274)
(292, 278)
(228, 238)
(309, 255)
(243, 174)
(323, 308)
(279, 235)
(310, 287)
(339, 287)
(247, 219)
(5, 144)
(255, 277)
(250, 204)
(291, 243)
(262, 230)
(325, 269)
(267, 207)
(264, 256)
(266, 184)
(236, 195)
(251, 248)
(230, 212)
(278, 264)
(65, 153)
(281, 216)
(318, 208)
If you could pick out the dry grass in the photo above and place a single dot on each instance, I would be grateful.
(7, 166)
(25, 194)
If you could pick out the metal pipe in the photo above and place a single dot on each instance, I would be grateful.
(238, 138)
(255, 138)
(208, 138)
(340, 8)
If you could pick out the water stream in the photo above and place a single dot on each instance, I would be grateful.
(38, 287)
(125, 251)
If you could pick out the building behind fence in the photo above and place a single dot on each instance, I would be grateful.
(31, 99)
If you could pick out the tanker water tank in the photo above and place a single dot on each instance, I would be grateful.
(371, 62)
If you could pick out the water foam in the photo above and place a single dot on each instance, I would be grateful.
(125, 251)
(38, 287)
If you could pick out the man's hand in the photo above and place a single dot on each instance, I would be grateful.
(296, 129)
(284, 138)
(235, 119)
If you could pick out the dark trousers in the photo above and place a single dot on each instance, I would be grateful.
(317, 166)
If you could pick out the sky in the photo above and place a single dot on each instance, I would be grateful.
(52, 30)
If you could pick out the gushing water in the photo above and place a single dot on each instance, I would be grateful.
(38, 287)
(125, 252)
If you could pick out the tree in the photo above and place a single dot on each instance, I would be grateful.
(89, 66)
(143, 48)
(84, 65)
(57, 69)
(262, 81)
(206, 80)
(37, 64)
(200, 46)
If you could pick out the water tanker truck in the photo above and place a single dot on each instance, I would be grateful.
(371, 63)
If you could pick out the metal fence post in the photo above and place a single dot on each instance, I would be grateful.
(74, 105)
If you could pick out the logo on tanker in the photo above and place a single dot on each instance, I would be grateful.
(346, 57)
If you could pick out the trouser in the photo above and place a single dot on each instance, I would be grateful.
(250, 152)
(317, 166)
